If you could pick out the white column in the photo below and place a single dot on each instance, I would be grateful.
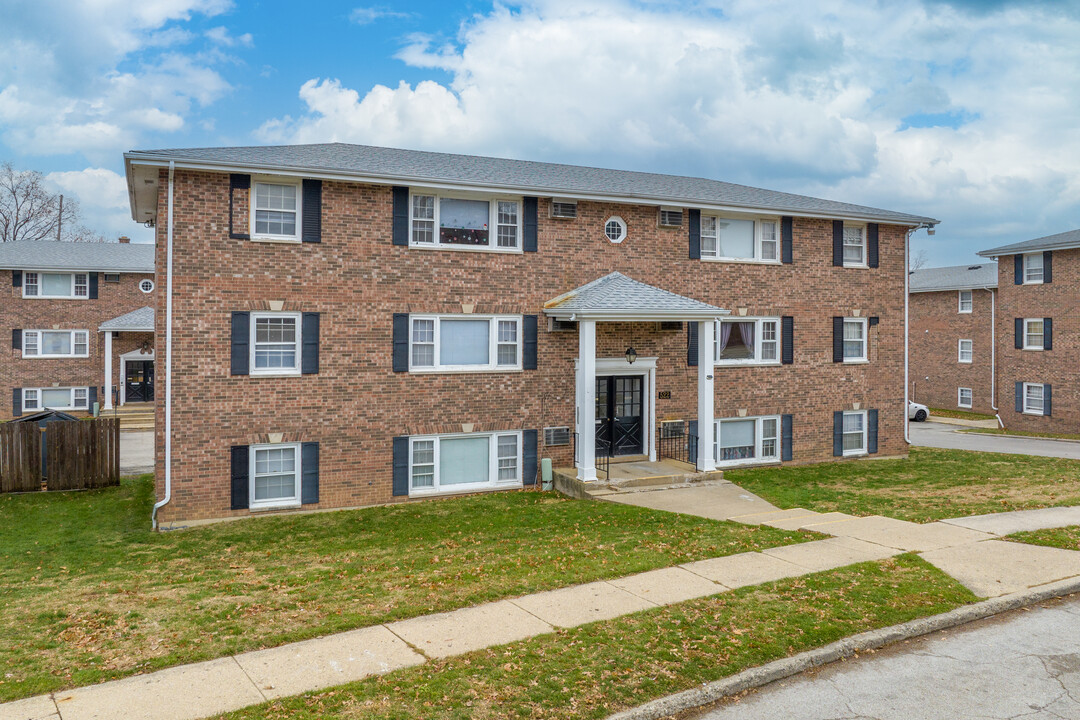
(108, 371)
(586, 394)
(706, 396)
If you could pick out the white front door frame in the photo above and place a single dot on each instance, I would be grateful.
(137, 355)
(644, 367)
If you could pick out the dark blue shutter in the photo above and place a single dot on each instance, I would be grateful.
(872, 245)
(401, 342)
(838, 433)
(529, 331)
(1018, 269)
(1048, 333)
(309, 473)
(93, 281)
(691, 343)
(241, 342)
(838, 243)
(693, 443)
(1019, 397)
(240, 479)
(528, 455)
(530, 225)
(16, 278)
(1047, 399)
(785, 437)
(787, 340)
(401, 466)
(16, 339)
(16, 402)
(786, 233)
(401, 216)
(871, 431)
(695, 233)
(238, 181)
(1018, 332)
(309, 347)
(1048, 267)
(311, 230)
(838, 339)
(91, 397)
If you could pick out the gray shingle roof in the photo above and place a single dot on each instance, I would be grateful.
(955, 277)
(100, 257)
(137, 320)
(518, 175)
(617, 296)
(1061, 241)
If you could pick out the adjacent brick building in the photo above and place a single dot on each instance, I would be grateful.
(951, 349)
(80, 319)
(355, 325)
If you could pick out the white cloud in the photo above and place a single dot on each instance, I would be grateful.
(221, 36)
(103, 200)
(368, 15)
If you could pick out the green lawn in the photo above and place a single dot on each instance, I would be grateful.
(1067, 538)
(597, 669)
(89, 593)
(958, 414)
(929, 485)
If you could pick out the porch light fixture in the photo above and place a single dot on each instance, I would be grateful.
(631, 355)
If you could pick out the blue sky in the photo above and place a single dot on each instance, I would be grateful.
(965, 111)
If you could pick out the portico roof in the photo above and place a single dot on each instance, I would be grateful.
(618, 298)
(141, 320)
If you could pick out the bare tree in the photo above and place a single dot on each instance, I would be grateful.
(919, 260)
(30, 211)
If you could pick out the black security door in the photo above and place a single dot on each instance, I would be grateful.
(139, 381)
(619, 427)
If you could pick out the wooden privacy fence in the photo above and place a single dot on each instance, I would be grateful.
(77, 455)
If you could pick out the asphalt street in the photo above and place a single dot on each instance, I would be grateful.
(1024, 664)
(939, 435)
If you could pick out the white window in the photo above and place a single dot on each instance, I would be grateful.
(855, 433)
(855, 340)
(734, 239)
(275, 343)
(965, 351)
(56, 285)
(465, 342)
(465, 223)
(276, 213)
(1033, 334)
(744, 440)
(963, 397)
(965, 301)
(55, 343)
(1033, 399)
(147, 286)
(449, 463)
(1033, 269)
(748, 340)
(854, 245)
(56, 398)
(275, 476)
(615, 229)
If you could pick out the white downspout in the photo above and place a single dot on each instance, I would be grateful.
(993, 356)
(907, 290)
(168, 351)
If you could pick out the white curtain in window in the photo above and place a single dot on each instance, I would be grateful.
(464, 342)
(736, 238)
(57, 398)
(464, 460)
(747, 330)
(54, 284)
(56, 343)
(736, 433)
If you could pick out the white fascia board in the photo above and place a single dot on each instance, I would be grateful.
(952, 288)
(636, 315)
(1001, 252)
(38, 267)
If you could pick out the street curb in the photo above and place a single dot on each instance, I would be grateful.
(842, 649)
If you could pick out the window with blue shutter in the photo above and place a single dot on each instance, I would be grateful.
(311, 207)
(786, 437)
(530, 224)
(401, 342)
(1019, 397)
(401, 466)
(694, 217)
(529, 439)
(309, 473)
(400, 227)
(872, 244)
(692, 343)
(309, 349)
(240, 479)
(1048, 267)
(241, 343)
(16, 402)
(1018, 269)
(16, 278)
(871, 431)
(838, 243)
(16, 339)
(237, 182)
(787, 341)
(529, 349)
(92, 397)
(1018, 333)
(786, 237)
(838, 434)
(1048, 334)
(93, 292)
(838, 339)
(1047, 397)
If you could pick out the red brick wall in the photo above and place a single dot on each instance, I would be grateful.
(936, 329)
(16, 312)
(357, 279)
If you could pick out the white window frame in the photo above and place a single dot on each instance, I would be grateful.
(1027, 269)
(1042, 399)
(864, 450)
(493, 344)
(253, 325)
(146, 285)
(970, 302)
(493, 482)
(960, 397)
(960, 351)
(865, 356)
(759, 322)
(73, 340)
(759, 222)
(292, 501)
(75, 285)
(864, 245)
(272, 237)
(79, 398)
(1042, 335)
(759, 441)
(623, 229)
(493, 222)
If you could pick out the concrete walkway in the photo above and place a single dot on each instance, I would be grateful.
(136, 452)
(937, 435)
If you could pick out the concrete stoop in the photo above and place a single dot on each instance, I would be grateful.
(635, 476)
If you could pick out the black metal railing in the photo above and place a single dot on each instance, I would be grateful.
(603, 460)
(677, 443)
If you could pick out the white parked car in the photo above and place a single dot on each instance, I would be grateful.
(917, 411)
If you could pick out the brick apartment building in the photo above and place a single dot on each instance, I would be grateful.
(951, 343)
(81, 320)
(353, 325)
(1038, 333)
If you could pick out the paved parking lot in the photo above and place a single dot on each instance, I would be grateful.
(939, 435)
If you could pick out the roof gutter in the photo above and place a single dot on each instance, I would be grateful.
(168, 354)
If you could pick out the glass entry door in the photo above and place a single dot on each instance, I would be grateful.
(619, 426)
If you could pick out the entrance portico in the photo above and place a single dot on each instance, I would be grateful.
(616, 298)
(136, 366)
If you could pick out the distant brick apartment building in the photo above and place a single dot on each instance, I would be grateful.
(81, 319)
(951, 343)
(353, 325)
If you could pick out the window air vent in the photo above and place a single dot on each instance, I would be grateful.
(670, 325)
(556, 436)
(670, 218)
(672, 428)
(112, 277)
(563, 209)
(561, 325)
